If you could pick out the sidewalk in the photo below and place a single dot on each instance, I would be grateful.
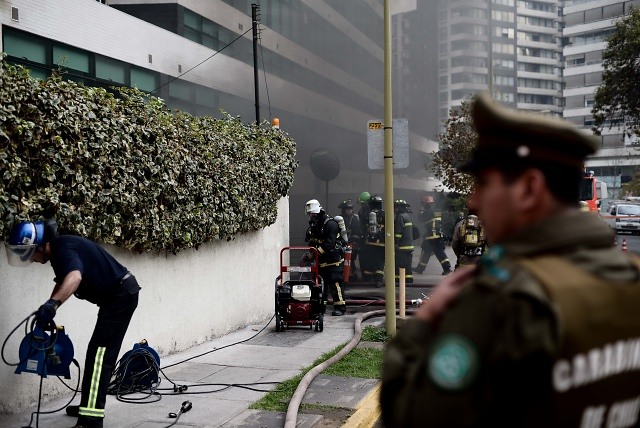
(268, 357)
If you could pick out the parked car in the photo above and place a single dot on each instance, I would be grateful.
(627, 218)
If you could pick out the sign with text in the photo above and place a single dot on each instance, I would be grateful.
(375, 143)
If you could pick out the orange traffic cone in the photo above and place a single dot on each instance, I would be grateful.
(624, 245)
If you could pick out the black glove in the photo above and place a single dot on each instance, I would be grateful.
(47, 312)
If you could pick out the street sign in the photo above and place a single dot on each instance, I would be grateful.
(375, 143)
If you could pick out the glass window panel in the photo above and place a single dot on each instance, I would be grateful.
(26, 47)
(191, 19)
(71, 58)
(207, 97)
(209, 42)
(191, 34)
(180, 89)
(109, 69)
(208, 27)
(144, 80)
(38, 73)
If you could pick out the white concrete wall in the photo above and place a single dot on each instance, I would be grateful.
(186, 299)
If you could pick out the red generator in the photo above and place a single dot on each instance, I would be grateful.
(299, 290)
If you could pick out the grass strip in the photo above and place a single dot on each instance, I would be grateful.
(278, 399)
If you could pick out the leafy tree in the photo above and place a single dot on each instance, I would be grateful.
(631, 188)
(456, 144)
(617, 99)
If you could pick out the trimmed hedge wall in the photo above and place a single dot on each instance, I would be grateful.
(124, 169)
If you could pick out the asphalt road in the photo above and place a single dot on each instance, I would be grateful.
(633, 242)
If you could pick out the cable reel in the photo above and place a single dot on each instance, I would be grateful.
(44, 354)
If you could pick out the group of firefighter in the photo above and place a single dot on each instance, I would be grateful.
(366, 237)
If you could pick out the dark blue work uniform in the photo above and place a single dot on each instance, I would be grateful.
(109, 285)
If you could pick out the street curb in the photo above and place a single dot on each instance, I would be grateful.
(368, 411)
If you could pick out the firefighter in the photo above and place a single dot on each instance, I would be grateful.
(324, 234)
(354, 233)
(373, 250)
(403, 230)
(84, 269)
(433, 242)
(469, 241)
(363, 215)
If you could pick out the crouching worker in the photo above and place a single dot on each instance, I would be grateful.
(88, 271)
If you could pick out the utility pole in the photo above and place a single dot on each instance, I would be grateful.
(255, 8)
(389, 250)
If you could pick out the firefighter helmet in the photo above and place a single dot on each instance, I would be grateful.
(347, 203)
(427, 199)
(312, 207)
(365, 197)
(375, 203)
(401, 205)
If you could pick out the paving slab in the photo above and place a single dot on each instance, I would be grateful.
(338, 391)
(264, 419)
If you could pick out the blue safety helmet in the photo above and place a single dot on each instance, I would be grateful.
(25, 237)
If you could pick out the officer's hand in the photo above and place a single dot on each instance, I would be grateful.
(445, 292)
(47, 312)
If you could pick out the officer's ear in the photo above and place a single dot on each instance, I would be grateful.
(531, 189)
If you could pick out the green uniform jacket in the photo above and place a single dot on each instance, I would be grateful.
(489, 361)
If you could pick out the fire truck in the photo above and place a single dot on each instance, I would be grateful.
(592, 191)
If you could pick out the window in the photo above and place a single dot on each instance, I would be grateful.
(144, 80)
(110, 70)
(71, 58)
(25, 46)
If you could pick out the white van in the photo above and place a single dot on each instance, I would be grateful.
(627, 218)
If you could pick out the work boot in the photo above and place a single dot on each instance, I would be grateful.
(73, 411)
(446, 272)
(89, 422)
(339, 310)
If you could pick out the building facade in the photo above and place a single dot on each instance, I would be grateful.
(586, 25)
(320, 72)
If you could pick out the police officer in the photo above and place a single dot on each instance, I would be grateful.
(324, 234)
(86, 270)
(545, 331)
(354, 233)
(433, 242)
(469, 241)
(373, 251)
(403, 230)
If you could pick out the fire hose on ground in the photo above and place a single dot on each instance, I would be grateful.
(294, 404)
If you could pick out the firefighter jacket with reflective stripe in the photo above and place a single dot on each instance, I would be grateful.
(403, 232)
(433, 223)
(324, 235)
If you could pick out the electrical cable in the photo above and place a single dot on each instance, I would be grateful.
(38, 412)
(25, 322)
(223, 347)
(264, 72)
(201, 62)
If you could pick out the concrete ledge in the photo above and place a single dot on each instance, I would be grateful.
(368, 411)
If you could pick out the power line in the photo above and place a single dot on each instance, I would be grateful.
(201, 62)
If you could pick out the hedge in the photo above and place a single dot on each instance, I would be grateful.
(122, 168)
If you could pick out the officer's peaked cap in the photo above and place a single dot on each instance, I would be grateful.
(509, 138)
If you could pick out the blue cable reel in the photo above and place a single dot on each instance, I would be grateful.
(44, 354)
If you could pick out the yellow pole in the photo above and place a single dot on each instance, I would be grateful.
(389, 250)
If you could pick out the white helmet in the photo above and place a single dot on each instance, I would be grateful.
(312, 207)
